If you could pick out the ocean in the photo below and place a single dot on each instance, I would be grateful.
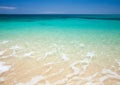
(60, 49)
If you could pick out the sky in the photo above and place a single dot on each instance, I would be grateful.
(59, 6)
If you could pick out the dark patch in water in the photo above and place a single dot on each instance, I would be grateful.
(33, 18)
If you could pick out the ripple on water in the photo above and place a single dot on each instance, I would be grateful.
(77, 70)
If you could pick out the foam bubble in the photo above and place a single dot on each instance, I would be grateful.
(90, 78)
(49, 53)
(90, 54)
(48, 69)
(49, 63)
(15, 47)
(82, 45)
(5, 42)
(3, 67)
(102, 79)
(33, 81)
(2, 52)
(90, 83)
(74, 68)
(29, 54)
(118, 62)
(64, 57)
(59, 82)
(85, 61)
(110, 73)
(13, 53)
(4, 56)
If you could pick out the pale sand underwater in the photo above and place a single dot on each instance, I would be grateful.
(59, 51)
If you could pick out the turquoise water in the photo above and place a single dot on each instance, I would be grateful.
(60, 27)
(75, 36)
(95, 31)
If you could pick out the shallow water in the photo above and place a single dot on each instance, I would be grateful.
(59, 50)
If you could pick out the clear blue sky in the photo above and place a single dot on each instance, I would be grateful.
(59, 6)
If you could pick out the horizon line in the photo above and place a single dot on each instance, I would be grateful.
(62, 14)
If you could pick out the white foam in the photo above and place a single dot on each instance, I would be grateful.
(49, 63)
(62, 81)
(108, 71)
(49, 53)
(90, 78)
(102, 79)
(109, 74)
(29, 54)
(70, 75)
(85, 61)
(114, 76)
(64, 57)
(3, 67)
(5, 42)
(2, 52)
(13, 53)
(15, 47)
(48, 69)
(75, 69)
(82, 45)
(118, 62)
(4, 56)
(33, 81)
(90, 83)
(90, 54)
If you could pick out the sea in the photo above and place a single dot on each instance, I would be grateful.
(59, 49)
